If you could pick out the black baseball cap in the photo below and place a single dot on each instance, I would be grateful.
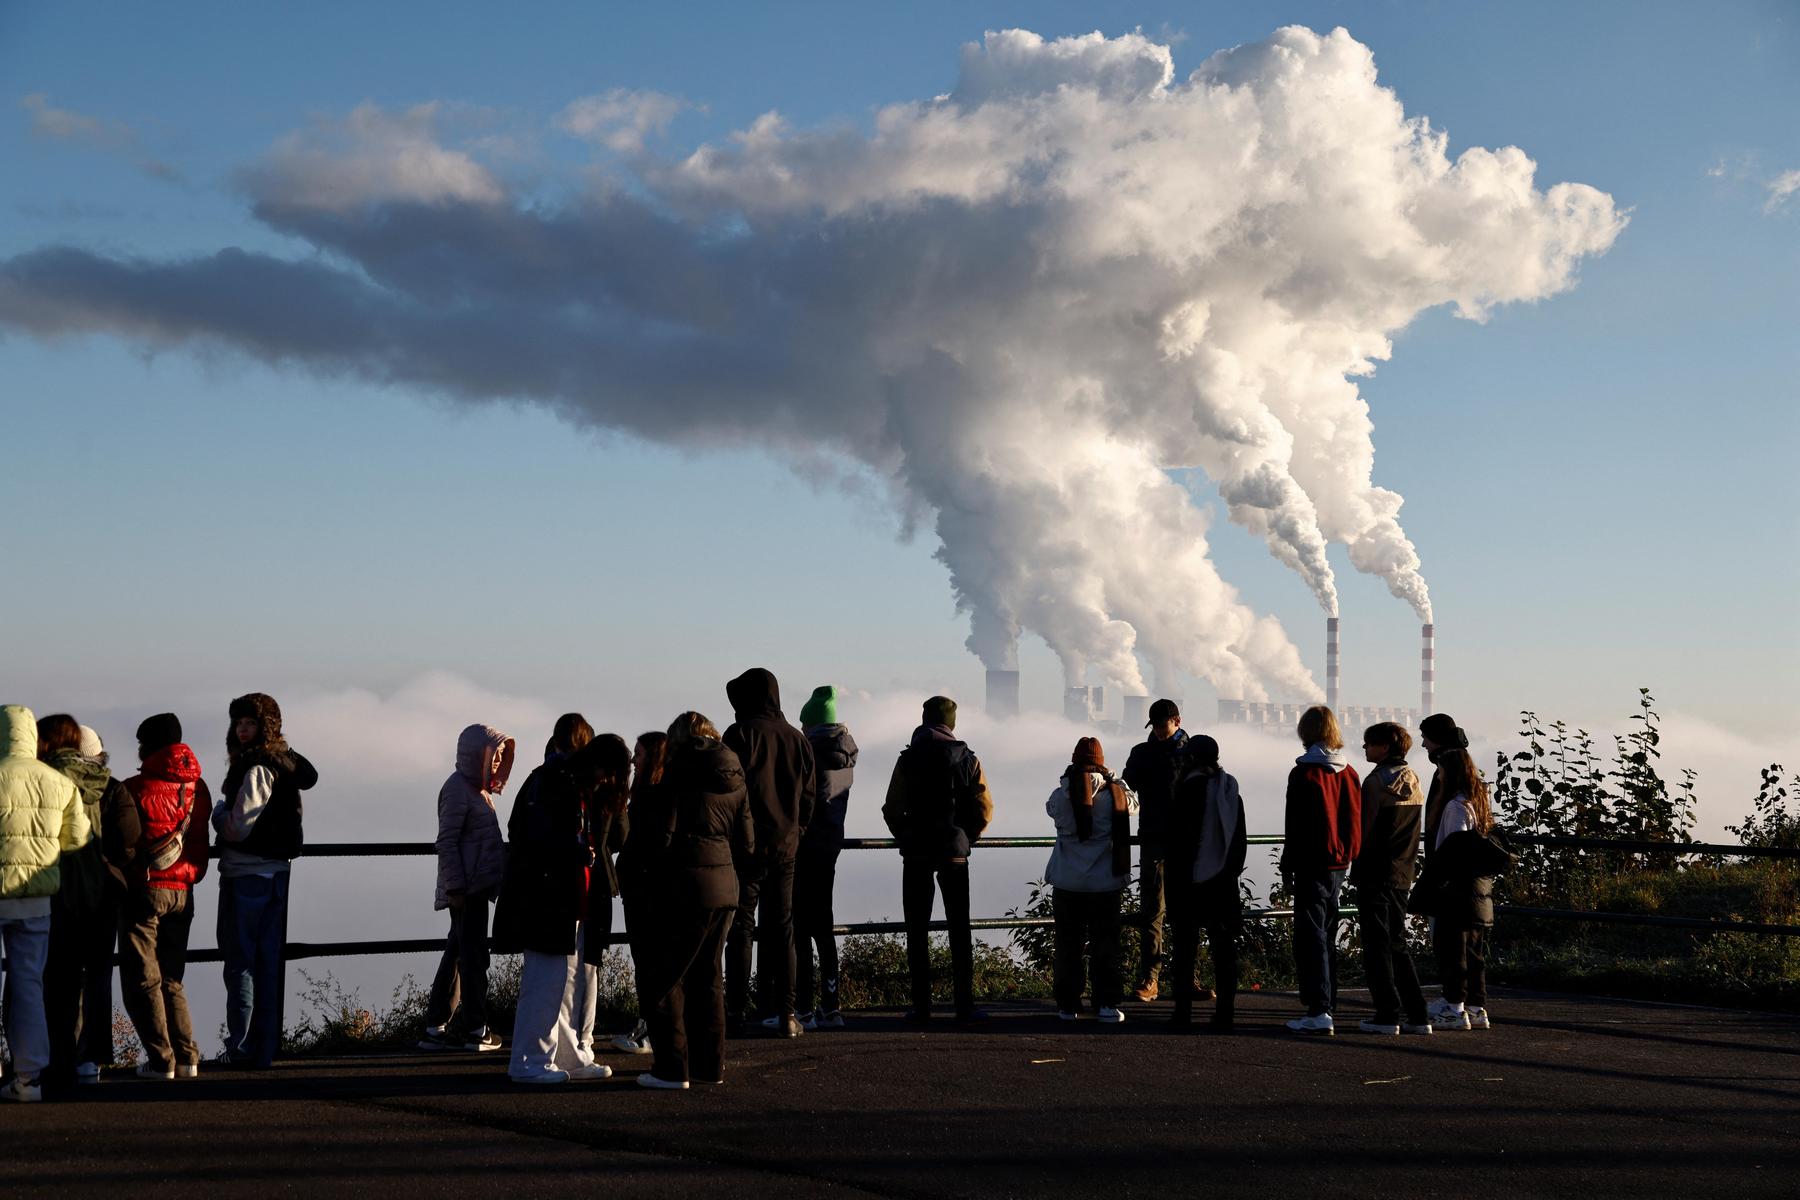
(1163, 710)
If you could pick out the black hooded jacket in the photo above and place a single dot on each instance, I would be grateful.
(777, 761)
(692, 832)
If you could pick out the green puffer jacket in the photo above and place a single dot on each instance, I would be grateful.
(41, 813)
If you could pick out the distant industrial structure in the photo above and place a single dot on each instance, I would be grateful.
(1087, 705)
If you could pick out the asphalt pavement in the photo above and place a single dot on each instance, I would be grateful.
(1564, 1096)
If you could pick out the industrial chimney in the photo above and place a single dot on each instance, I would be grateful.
(1137, 711)
(1331, 663)
(1427, 669)
(1002, 694)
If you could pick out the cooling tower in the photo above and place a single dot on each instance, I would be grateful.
(1076, 705)
(1331, 663)
(1002, 694)
(1427, 668)
(1137, 711)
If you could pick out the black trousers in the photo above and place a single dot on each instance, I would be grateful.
(1461, 963)
(815, 878)
(1393, 980)
(917, 879)
(683, 992)
(459, 988)
(1215, 909)
(78, 975)
(765, 913)
(1087, 927)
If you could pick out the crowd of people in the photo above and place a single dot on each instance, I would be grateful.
(722, 850)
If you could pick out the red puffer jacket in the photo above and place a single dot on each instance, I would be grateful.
(169, 790)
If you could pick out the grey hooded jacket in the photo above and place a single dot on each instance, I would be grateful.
(471, 852)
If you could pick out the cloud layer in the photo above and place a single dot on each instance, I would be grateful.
(1016, 307)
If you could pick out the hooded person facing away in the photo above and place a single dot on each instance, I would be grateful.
(471, 858)
(815, 868)
(937, 806)
(778, 774)
(42, 817)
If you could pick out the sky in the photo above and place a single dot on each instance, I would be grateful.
(1598, 479)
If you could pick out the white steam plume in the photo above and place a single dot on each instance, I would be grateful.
(1017, 306)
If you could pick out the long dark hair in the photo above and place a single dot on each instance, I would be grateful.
(1462, 778)
(655, 746)
(570, 734)
(602, 770)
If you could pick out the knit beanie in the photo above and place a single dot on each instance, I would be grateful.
(821, 709)
(940, 710)
(1088, 755)
(90, 746)
(164, 729)
(1442, 729)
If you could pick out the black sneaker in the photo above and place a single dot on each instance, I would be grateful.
(481, 1040)
(438, 1039)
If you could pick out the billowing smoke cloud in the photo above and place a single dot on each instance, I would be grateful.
(1017, 307)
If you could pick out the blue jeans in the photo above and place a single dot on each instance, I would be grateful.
(253, 937)
(1315, 938)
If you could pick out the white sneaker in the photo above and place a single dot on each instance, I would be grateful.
(828, 1020)
(550, 1075)
(87, 1072)
(187, 1070)
(1063, 1014)
(1425, 1028)
(1111, 1016)
(1321, 1024)
(1384, 1028)
(1456, 1019)
(591, 1071)
(146, 1070)
(1478, 1018)
(668, 1085)
(19, 1090)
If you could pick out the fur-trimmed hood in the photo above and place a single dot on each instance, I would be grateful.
(267, 714)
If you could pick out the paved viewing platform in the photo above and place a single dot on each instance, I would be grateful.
(1565, 1096)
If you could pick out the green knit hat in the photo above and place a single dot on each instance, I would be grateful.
(940, 710)
(822, 708)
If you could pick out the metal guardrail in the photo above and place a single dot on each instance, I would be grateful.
(305, 950)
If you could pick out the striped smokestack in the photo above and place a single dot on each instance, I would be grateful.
(1331, 663)
(1427, 669)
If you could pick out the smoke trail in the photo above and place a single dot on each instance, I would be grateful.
(1015, 308)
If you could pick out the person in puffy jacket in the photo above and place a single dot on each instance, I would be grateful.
(471, 861)
(691, 836)
(41, 817)
(649, 759)
(778, 771)
(258, 819)
(84, 917)
(1393, 809)
(1321, 838)
(164, 863)
(543, 900)
(1207, 848)
(936, 807)
(815, 867)
(1087, 873)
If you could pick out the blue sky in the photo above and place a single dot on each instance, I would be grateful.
(1600, 483)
